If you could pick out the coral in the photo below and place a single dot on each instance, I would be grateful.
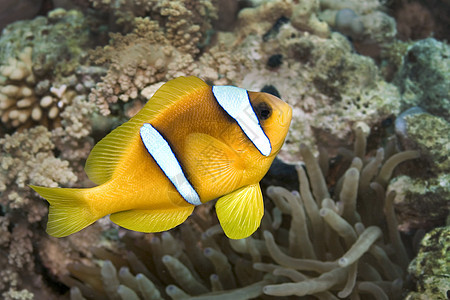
(136, 60)
(429, 134)
(431, 268)
(329, 87)
(379, 28)
(347, 22)
(184, 23)
(73, 138)
(414, 21)
(25, 158)
(391, 57)
(360, 7)
(365, 22)
(260, 19)
(441, 18)
(424, 76)
(421, 203)
(37, 79)
(304, 18)
(227, 11)
(42, 35)
(218, 67)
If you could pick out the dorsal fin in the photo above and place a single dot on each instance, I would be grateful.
(107, 154)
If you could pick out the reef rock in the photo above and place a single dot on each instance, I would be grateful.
(424, 77)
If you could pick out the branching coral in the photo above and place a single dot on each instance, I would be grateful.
(73, 139)
(184, 23)
(165, 37)
(25, 158)
(135, 61)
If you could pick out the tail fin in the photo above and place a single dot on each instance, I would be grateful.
(69, 211)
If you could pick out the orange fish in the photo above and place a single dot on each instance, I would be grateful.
(190, 144)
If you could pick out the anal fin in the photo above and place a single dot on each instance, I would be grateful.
(152, 220)
(241, 211)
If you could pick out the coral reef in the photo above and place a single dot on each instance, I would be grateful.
(333, 87)
(159, 48)
(423, 78)
(38, 79)
(25, 158)
(431, 268)
(136, 60)
(334, 238)
(184, 23)
(365, 22)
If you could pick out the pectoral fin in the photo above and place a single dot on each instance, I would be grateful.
(240, 212)
(213, 163)
(152, 220)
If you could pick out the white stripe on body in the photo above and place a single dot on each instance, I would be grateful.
(161, 152)
(236, 103)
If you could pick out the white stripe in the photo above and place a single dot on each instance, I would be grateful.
(236, 103)
(161, 152)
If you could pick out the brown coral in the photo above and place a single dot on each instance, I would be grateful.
(135, 61)
(25, 158)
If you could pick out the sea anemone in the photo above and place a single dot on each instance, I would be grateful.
(325, 242)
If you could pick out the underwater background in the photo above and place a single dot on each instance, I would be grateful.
(356, 206)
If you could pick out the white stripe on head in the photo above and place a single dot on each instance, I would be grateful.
(161, 152)
(236, 103)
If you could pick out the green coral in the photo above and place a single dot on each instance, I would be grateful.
(431, 135)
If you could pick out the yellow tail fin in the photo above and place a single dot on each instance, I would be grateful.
(68, 212)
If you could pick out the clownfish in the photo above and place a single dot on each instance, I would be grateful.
(190, 144)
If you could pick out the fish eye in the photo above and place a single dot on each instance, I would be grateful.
(263, 110)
